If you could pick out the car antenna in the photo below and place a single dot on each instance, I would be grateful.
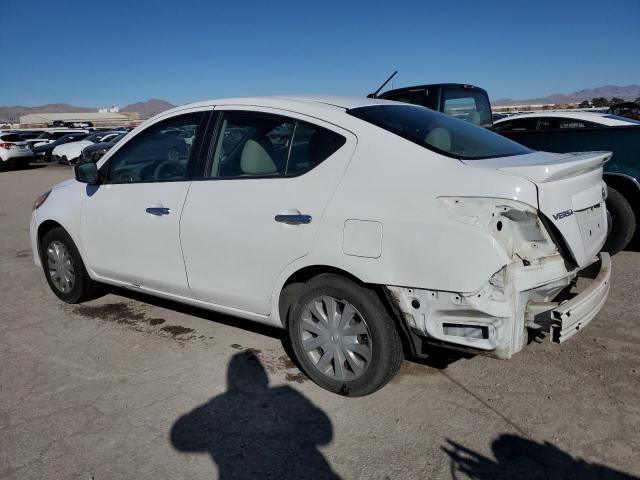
(375, 94)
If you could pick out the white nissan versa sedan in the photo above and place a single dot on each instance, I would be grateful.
(364, 227)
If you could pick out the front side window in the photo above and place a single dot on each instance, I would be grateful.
(440, 133)
(160, 153)
(261, 145)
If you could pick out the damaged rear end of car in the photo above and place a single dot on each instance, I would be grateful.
(546, 248)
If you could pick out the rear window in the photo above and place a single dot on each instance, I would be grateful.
(440, 133)
(11, 137)
(468, 104)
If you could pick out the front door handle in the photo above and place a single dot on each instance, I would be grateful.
(296, 219)
(159, 210)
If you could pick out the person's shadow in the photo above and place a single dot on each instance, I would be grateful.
(255, 431)
(519, 458)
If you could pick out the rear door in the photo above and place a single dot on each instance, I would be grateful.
(259, 203)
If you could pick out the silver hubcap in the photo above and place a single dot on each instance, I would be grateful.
(335, 338)
(60, 265)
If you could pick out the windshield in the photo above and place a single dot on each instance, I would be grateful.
(95, 137)
(438, 132)
(44, 136)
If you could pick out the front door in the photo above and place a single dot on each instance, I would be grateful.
(130, 222)
(259, 205)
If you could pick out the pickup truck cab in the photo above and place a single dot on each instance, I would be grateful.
(462, 101)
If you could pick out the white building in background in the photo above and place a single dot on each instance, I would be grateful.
(97, 119)
(113, 109)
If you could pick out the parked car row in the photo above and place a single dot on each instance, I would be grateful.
(63, 145)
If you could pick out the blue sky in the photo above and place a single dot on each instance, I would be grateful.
(102, 53)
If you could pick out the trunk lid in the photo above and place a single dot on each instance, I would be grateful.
(571, 195)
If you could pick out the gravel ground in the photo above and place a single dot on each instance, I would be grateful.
(130, 386)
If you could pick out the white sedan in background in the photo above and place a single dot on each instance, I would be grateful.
(361, 226)
(558, 120)
(13, 149)
(69, 153)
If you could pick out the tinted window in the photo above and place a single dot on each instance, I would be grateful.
(554, 123)
(156, 154)
(467, 104)
(73, 137)
(517, 125)
(438, 132)
(416, 98)
(311, 146)
(11, 137)
(259, 145)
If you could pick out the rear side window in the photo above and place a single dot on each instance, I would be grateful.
(311, 146)
(440, 133)
(263, 145)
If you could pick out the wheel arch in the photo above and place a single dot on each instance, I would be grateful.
(628, 186)
(43, 229)
(294, 282)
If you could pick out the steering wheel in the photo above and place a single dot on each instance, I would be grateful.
(126, 176)
(169, 169)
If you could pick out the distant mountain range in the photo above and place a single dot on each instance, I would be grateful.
(145, 109)
(630, 92)
(154, 106)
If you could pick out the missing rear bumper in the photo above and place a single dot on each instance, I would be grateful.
(573, 315)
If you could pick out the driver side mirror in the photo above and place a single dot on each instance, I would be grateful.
(87, 173)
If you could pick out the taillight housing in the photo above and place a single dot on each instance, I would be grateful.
(41, 199)
(6, 145)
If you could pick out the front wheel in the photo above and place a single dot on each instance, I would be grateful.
(623, 222)
(343, 337)
(64, 269)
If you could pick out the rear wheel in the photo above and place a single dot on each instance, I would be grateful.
(343, 337)
(623, 222)
(64, 269)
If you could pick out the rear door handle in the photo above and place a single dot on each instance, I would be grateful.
(296, 219)
(159, 210)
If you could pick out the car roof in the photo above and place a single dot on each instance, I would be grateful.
(299, 103)
(595, 117)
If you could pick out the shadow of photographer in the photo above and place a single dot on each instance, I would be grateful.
(256, 431)
(519, 458)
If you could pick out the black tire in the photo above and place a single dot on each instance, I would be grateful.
(623, 222)
(385, 344)
(83, 288)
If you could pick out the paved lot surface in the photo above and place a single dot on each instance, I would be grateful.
(133, 387)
